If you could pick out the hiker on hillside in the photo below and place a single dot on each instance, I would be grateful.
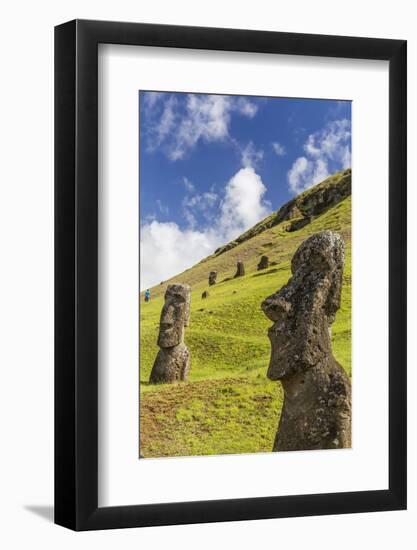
(147, 295)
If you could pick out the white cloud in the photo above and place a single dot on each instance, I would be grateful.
(166, 249)
(304, 173)
(188, 185)
(243, 205)
(151, 99)
(326, 151)
(246, 107)
(181, 124)
(332, 142)
(279, 149)
(251, 156)
(162, 207)
(202, 204)
(164, 125)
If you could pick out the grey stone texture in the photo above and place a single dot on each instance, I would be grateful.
(172, 362)
(316, 413)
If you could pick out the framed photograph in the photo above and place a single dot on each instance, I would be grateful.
(230, 255)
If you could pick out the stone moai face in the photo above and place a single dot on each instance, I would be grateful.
(212, 278)
(305, 307)
(175, 315)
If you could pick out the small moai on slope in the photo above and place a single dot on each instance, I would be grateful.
(212, 278)
(263, 263)
(316, 413)
(205, 294)
(172, 362)
(240, 269)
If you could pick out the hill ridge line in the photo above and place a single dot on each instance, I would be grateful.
(301, 209)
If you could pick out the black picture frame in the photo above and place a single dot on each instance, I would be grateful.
(76, 272)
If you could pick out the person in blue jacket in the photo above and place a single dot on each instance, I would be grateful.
(147, 295)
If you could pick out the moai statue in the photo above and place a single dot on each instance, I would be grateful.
(240, 269)
(316, 413)
(205, 294)
(173, 360)
(212, 278)
(263, 263)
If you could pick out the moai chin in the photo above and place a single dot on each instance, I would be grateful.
(316, 413)
(263, 263)
(212, 278)
(172, 362)
(240, 269)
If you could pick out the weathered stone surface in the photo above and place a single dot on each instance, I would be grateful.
(263, 263)
(174, 315)
(298, 223)
(173, 360)
(205, 294)
(212, 278)
(317, 392)
(240, 269)
(171, 364)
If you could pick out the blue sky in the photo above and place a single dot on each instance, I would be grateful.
(211, 166)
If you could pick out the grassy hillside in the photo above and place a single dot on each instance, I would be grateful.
(228, 405)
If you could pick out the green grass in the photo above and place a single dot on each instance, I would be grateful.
(228, 405)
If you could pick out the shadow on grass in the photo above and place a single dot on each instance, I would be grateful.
(266, 272)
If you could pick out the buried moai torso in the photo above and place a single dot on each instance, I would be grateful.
(263, 263)
(212, 278)
(240, 269)
(316, 413)
(172, 362)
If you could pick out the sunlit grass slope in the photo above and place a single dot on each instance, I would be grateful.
(228, 405)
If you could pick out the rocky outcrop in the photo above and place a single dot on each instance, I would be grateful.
(172, 362)
(263, 263)
(240, 269)
(298, 223)
(316, 413)
(212, 278)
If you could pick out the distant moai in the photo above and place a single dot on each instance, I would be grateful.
(205, 294)
(316, 413)
(263, 263)
(212, 278)
(172, 362)
(240, 269)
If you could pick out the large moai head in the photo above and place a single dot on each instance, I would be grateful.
(175, 315)
(304, 309)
